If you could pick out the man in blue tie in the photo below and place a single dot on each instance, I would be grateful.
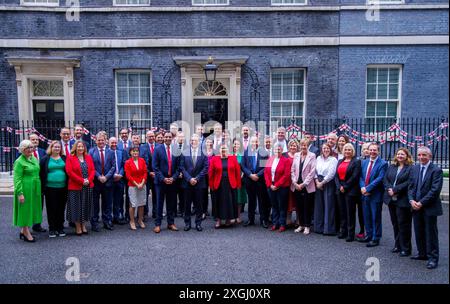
(424, 196)
(253, 168)
(104, 171)
(118, 184)
(372, 190)
(194, 166)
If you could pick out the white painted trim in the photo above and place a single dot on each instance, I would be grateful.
(223, 42)
(210, 4)
(23, 3)
(132, 5)
(197, 8)
(384, 2)
(289, 4)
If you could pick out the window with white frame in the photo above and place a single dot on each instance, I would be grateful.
(287, 96)
(376, 2)
(40, 2)
(134, 96)
(383, 86)
(210, 2)
(131, 2)
(289, 2)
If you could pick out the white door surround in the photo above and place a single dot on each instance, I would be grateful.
(192, 73)
(43, 68)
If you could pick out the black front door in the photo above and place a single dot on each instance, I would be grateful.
(212, 109)
(48, 117)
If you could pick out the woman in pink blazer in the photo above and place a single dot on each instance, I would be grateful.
(303, 171)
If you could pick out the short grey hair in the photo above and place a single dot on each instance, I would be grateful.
(24, 144)
(424, 149)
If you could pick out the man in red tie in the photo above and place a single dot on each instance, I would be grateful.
(245, 136)
(166, 167)
(372, 190)
(148, 150)
(65, 141)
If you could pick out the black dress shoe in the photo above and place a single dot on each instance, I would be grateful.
(265, 224)
(341, 235)
(395, 250)
(349, 239)
(198, 227)
(72, 225)
(249, 223)
(432, 264)
(373, 244)
(95, 228)
(419, 257)
(404, 254)
(364, 240)
(38, 228)
(108, 226)
(122, 221)
(187, 227)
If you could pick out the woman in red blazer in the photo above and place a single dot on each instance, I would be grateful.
(81, 172)
(136, 171)
(224, 178)
(277, 175)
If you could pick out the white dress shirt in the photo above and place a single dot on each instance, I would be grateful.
(326, 167)
(274, 167)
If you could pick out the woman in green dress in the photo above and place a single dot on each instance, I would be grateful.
(241, 193)
(27, 209)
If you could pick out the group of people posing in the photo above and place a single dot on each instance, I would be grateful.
(328, 188)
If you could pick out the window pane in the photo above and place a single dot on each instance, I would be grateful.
(382, 91)
(394, 75)
(287, 92)
(145, 95)
(393, 91)
(134, 95)
(381, 109)
(122, 79)
(286, 109)
(276, 78)
(370, 111)
(298, 93)
(133, 80)
(371, 91)
(298, 109)
(298, 77)
(371, 75)
(276, 109)
(382, 75)
(145, 80)
(287, 78)
(276, 92)
(122, 95)
(392, 109)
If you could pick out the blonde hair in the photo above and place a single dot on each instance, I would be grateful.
(304, 141)
(50, 147)
(349, 145)
(73, 151)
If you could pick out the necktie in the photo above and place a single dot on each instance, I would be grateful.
(152, 148)
(35, 154)
(124, 145)
(180, 146)
(254, 163)
(194, 157)
(102, 157)
(67, 149)
(245, 144)
(368, 173)
(422, 169)
(169, 160)
(117, 162)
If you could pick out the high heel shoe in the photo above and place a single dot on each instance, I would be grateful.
(23, 237)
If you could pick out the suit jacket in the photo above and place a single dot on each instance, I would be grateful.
(401, 186)
(41, 154)
(120, 144)
(43, 173)
(375, 186)
(73, 170)
(315, 150)
(135, 174)
(308, 172)
(215, 172)
(247, 163)
(282, 172)
(70, 147)
(429, 193)
(198, 171)
(161, 164)
(73, 140)
(120, 160)
(351, 181)
(146, 153)
(109, 165)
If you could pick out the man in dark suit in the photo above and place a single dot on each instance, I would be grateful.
(424, 196)
(194, 166)
(124, 143)
(166, 168)
(179, 148)
(253, 165)
(66, 144)
(118, 184)
(135, 142)
(104, 171)
(38, 154)
(311, 147)
(79, 133)
(281, 139)
(146, 152)
(372, 190)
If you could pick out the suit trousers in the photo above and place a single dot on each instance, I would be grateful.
(401, 218)
(150, 186)
(372, 218)
(117, 194)
(426, 231)
(255, 192)
(168, 193)
(279, 202)
(193, 196)
(304, 206)
(55, 200)
(101, 190)
(324, 209)
(347, 209)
